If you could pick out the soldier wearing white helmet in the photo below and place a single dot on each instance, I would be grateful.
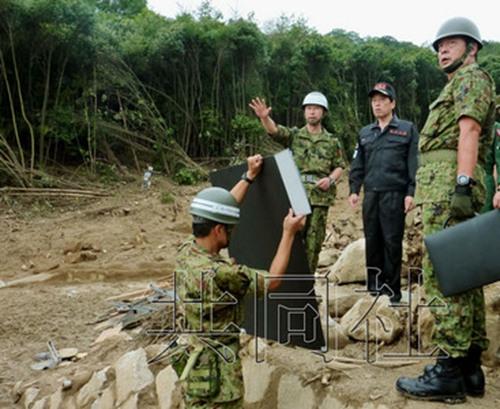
(319, 157)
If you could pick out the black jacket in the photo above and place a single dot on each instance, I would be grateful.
(385, 160)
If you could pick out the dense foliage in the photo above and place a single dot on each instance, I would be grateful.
(109, 81)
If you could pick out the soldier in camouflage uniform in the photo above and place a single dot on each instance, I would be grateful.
(450, 186)
(493, 165)
(211, 287)
(320, 159)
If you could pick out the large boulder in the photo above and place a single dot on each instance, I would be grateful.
(351, 265)
(341, 298)
(384, 321)
(132, 375)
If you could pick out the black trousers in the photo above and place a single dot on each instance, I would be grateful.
(384, 224)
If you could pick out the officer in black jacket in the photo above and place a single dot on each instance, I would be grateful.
(385, 162)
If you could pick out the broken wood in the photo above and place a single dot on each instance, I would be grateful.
(33, 191)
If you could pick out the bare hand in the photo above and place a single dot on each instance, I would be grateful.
(323, 184)
(260, 108)
(409, 205)
(292, 223)
(496, 200)
(254, 164)
(353, 200)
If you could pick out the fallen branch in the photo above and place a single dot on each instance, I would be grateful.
(33, 191)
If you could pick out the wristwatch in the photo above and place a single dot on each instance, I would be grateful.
(464, 180)
(246, 178)
(331, 180)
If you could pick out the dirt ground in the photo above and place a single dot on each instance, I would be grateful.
(84, 251)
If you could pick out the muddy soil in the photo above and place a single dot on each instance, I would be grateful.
(62, 260)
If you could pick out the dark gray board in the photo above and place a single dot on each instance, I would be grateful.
(291, 313)
(466, 255)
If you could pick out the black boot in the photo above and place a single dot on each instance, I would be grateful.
(472, 372)
(441, 382)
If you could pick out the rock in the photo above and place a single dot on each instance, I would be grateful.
(56, 400)
(384, 323)
(166, 388)
(73, 247)
(132, 374)
(350, 267)
(341, 298)
(80, 378)
(131, 403)
(258, 375)
(66, 384)
(492, 297)
(29, 396)
(105, 401)
(328, 257)
(17, 391)
(80, 257)
(331, 402)
(41, 404)
(335, 334)
(91, 390)
(491, 357)
(112, 333)
(292, 395)
(423, 328)
(68, 353)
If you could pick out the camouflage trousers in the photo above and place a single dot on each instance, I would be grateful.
(459, 320)
(230, 389)
(314, 234)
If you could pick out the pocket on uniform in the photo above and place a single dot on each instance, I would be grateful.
(203, 380)
(400, 140)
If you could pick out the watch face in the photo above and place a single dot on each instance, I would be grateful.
(462, 180)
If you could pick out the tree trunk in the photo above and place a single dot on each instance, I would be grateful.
(21, 103)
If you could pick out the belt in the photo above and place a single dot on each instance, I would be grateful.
(439, 155)
(309, 178)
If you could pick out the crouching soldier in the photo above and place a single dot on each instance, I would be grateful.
(211, 287)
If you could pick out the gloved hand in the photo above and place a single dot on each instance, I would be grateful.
(461, 203)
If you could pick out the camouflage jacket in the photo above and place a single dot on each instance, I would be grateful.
(471, 93)
(211, 289)
(316, 155)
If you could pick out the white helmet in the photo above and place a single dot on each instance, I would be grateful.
(315, 98)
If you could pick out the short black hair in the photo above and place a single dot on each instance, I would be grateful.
(203, 229)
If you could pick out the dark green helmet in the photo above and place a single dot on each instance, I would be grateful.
(458, 26)
(216, 204)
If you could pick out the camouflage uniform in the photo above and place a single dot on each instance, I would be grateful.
(492, 160)
(211, 289)
(316, 156)
(470, 93)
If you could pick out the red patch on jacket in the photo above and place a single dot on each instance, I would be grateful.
(398, 132)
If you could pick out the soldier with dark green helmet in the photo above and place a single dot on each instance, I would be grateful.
(454, 144)
(210, 288)
(320, 159)
(492, 168)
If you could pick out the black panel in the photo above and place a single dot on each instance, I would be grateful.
(254, 243)
(466, 255)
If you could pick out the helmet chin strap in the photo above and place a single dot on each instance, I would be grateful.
(455, 65)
